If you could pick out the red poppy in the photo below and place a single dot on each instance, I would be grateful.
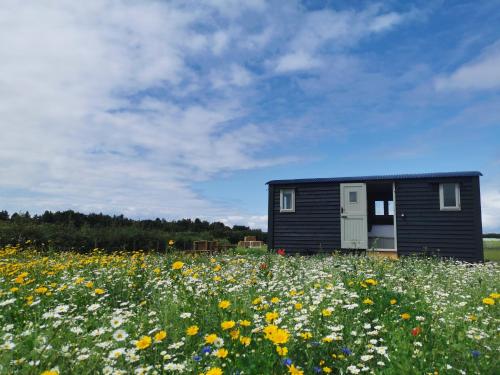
(416, 331)
(281, 251)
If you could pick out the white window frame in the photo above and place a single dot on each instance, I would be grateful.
(457, 206)
(282, 191)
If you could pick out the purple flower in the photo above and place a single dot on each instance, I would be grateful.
(475, 353)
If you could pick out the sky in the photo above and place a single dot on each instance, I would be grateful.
(177, 109)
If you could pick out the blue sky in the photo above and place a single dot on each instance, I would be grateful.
(185, 109)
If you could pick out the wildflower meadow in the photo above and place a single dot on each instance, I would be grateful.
(150, 313)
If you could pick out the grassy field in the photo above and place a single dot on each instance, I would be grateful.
(245, 314)
(492, 250)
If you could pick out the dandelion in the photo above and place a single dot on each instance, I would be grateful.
(405, 316)
(143, 343)
(221, 353)
(192, 330)
(367, 301)
(282, 350)
(271, 316)
(488, 301)
(393, 301)
(177, 265)
(224, 304)
(214, 371)
(295, 370)
(160, 336)
(227, 324)
(245, 323)
(210, 339)
(245, 340)
(99, 291)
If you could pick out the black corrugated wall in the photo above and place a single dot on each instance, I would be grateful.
(315, 224)
(423, 227)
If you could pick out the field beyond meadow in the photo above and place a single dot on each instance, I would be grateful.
(149, 313)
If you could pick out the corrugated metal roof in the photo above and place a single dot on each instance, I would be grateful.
(377, 178)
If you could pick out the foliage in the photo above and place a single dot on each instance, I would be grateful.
(254, 314)
(73, 230)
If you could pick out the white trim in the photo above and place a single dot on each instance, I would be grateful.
(394, 216)
(293, 200)
(457, 206)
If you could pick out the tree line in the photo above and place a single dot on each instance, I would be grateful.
(79, 231)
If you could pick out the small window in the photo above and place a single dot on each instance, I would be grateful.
(390, 208)
(379, 208)
(287, 200)
(449, 197)
(353, 197)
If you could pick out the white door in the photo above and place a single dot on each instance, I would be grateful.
(353, 216)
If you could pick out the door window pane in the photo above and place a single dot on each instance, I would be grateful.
(353, 196)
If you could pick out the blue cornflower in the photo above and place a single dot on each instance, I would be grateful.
(475, 353)
(206, 349)
(317, 369)
(346, 351)
(197, 358)
(287, 361)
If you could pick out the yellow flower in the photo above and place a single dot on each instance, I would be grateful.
(495, 295)
(217, 268)
(191, 331)
(327, 370)
(41, 290)
(224, 304)
(472, 318)
(371, 282)
(214, 371)
(50, 372)
(327, 339)
(275, 300)
(99, 291)
(79, 280)
(177, 265)
(257, 301)
(368, 301)
(271, 316)
(394, 301)
(276, 335)
(171, 242)
(160, 336)
(14, 289)
(245, 323)
(221, 353)
(326, 312)
(245, 340)
(89, 284)
(294, 370)
(157, 270)
(298, 306)
(235, 333)
(143, 343)
(210, 339)
(282, 350)
(227, 324)
(306, 335)
(405, 316)
(488, 301)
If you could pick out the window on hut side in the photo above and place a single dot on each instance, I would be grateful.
(449, 197)
(287, 200)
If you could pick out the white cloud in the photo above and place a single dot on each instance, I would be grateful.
(79, 128)
(480, 74)
(490, 198)
(335, 31)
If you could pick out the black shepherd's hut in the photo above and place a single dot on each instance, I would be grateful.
(430, 213)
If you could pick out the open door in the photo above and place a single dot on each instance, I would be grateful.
(353, 216)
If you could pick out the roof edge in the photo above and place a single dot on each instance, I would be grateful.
(377, 177)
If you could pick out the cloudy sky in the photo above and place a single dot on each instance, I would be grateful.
(186, 108)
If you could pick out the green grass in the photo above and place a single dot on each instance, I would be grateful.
(492, 250)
